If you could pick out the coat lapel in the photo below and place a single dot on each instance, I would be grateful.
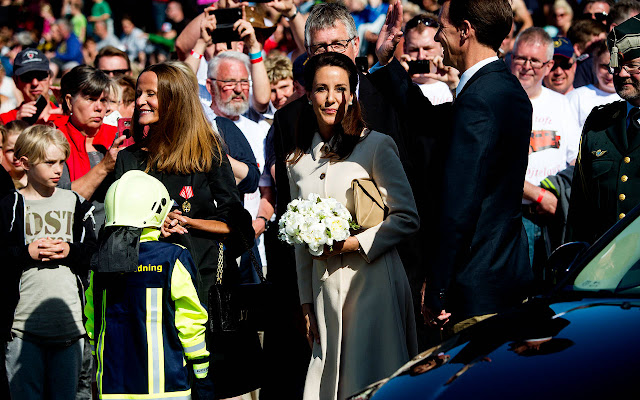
(494, 66)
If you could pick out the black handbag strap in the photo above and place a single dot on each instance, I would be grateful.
(383, 206)
(254, 261)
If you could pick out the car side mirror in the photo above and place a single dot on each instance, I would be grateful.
(560, 263)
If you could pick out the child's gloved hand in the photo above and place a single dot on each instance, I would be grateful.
(200, 367)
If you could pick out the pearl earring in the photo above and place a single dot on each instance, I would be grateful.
(310, 103)
(351, 102)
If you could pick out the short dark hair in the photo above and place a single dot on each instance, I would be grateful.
(83, 79)
(110, 51)
(622, 10)
(491, 19)
(596, 49)
(582, 31)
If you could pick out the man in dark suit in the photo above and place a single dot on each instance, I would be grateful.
(480, 263)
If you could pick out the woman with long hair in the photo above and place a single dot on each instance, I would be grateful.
(175, 143)
(355, 297)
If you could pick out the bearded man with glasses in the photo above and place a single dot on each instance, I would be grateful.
(604, 189)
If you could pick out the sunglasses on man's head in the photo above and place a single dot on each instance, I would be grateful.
(426, 21)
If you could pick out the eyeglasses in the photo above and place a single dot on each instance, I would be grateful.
(426, 21)
(231, 84)
(631, 69)
(535, 64)
(599, 16)
(31, 75)
(115, 72)
(562, 62)
(339, 46)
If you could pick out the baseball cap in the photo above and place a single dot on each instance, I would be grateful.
(562, 47)
(30, 60)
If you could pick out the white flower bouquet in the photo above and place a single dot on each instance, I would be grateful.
(315, 222)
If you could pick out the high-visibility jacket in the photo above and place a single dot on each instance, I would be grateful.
(144, 325)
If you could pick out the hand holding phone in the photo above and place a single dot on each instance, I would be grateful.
(225, 19)
(124, 127)
(419, 67)
(40, 105)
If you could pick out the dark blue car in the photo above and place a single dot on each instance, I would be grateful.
(581, 340)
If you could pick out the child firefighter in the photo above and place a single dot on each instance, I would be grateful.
(144, 320)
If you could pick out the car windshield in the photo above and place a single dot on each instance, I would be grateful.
(616, 267)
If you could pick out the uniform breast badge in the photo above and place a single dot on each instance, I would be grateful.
(599, 153)
(186, 193)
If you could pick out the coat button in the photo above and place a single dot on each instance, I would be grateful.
(624, 178)
(322, 175)
(622, 197)
(627, 160)
(621, 216)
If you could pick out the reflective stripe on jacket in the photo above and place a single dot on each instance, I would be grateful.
(143, 325)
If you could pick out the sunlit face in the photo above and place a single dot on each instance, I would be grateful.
(9, 154)
(628, 84)
(230, 89)
(560, 79)
(421, 46)
(114, 66)
(147, 98)
(280, 92)
(605, 78)
(87, 112)
(332, 35)
(330, 95)
(33, 84)
(47, 172)
(449, 37)
(600, 7)
(529, 76)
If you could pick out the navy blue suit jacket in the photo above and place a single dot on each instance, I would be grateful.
(480, 261)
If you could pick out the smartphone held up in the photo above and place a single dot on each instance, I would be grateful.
(124, 127)
(225, 19)
(41, 103)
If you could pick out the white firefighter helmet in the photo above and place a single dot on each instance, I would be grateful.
(137, 200)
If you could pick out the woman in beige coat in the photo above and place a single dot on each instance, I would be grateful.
(356, 298)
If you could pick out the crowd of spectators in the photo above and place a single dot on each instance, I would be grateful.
(82, 60)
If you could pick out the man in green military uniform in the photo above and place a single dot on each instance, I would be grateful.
(606, 181)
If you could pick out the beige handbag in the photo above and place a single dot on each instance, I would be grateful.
(367, 200)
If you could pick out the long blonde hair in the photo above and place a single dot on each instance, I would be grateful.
(182, 141)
